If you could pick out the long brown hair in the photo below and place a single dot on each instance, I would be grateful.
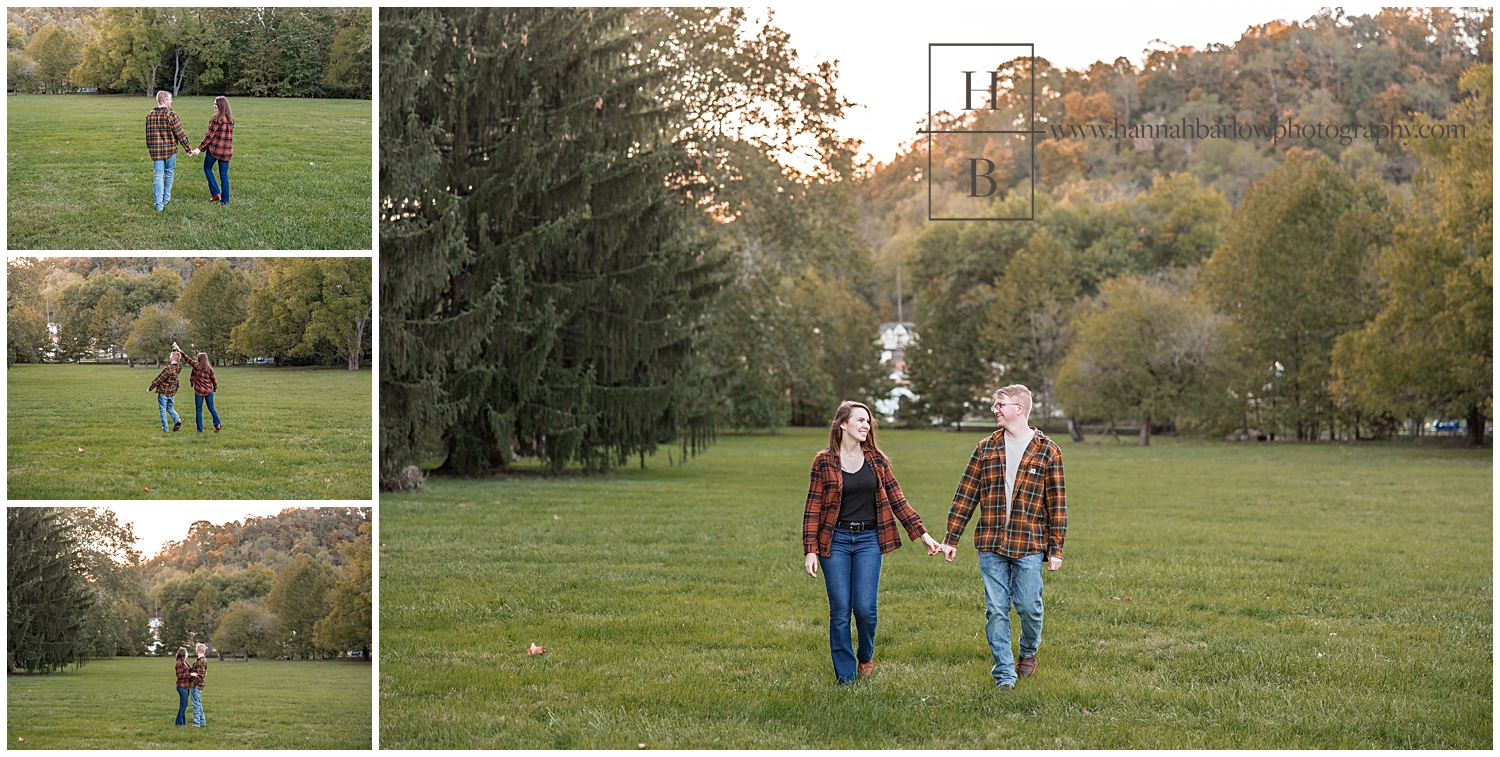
(181, 654)
(221, 107)
(836, 434)
(203, 361)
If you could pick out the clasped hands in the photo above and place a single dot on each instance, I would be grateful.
(933, 547)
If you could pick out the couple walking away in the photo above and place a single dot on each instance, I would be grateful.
(164, 133)
(204, 385)
(190, 684)
(1014, 478)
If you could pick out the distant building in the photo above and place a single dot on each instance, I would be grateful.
(894, 339)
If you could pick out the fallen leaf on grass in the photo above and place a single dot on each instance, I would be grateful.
(640, 746)
(557, 517)
(80, 449)
(536, 650)
(1127, 599)
(327, 480)
(21, 739)
(145, 488)
(1086, 711)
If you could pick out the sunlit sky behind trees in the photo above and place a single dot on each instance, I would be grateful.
(882, 47)
(156, 525)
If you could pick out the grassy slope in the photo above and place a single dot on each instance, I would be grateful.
(675, 611)
(285, 431)
(80, 178)
(131, 703)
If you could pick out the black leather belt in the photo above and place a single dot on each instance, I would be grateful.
(857, 526)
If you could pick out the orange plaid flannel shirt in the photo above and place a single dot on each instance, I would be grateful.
(825, 493)
(164, 133)
(1039, 506)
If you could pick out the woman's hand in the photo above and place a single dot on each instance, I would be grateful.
(811, 564)
(933, 547)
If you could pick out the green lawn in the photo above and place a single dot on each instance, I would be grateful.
(131, 703)
(80, 177)
(289, 433)
(1279, 595)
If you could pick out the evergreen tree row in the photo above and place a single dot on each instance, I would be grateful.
(567, 196)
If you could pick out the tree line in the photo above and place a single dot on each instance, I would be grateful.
(1306, 288)
(296, 311)
(78, 589)
(258, 52)
(652, 231)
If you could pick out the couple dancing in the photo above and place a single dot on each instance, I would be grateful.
(190, 685)
(1014, 478)
(204, 385)
(164, 133)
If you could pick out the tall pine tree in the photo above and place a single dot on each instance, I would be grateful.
(47, 603)
(539, 281)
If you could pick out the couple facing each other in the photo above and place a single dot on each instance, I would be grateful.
(204, 385)
(164, 133)
(190, 684)
(1015, 481)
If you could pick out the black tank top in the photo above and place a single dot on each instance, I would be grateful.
(859, 495)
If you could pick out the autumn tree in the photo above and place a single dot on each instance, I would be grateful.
(299, 600)
(152, 335)
(245, 626)
(1148, 348)
(110, 324)
(348, 625)
(55, 51)
(1294, 273)
(214, 302)
(1429, 349)
(27, 335)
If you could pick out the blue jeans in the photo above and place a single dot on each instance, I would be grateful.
(182, 703)
(1011, 582)
(198, 404)
(208, 170)
(163, 183)
(197, 707)
(851, 572)
(164, 406)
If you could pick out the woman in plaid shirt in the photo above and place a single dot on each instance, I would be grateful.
(204, 385)
(853, 503)
(218, 145)
(184, 684)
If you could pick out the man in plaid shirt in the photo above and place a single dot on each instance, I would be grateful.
(163, 134)
(165, 385)
(1015, 479)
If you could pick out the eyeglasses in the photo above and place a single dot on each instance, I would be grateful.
(999, 405)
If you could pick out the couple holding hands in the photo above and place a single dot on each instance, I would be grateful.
(1014, 479)
(164, 133)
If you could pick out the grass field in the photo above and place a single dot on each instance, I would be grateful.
(80, 178)
(131, 703)
(289, 433)
(1279, 595)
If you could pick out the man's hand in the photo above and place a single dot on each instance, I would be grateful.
(949, 551)
(1053, 563)
(811, 564)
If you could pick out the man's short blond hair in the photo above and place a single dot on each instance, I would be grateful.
(161, 96)
(1017, 392)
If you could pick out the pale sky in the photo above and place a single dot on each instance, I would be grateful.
(156, 524)
(882, 47)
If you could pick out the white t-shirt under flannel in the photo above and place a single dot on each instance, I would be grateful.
(1015, 449)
